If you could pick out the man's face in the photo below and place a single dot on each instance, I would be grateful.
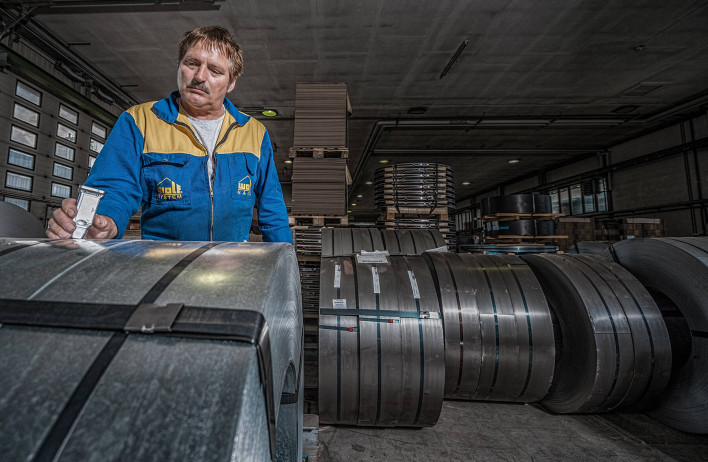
(203, 81)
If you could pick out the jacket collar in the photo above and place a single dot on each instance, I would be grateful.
(168, 109)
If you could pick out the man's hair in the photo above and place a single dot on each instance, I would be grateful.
(217, 39)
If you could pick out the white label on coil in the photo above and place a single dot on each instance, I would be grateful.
(414, 284)
(375, 277)
(438, 249)
(378, 256)
(337, 275)
(495, 226)
(339, 303)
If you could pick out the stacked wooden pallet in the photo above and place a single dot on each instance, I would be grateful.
(319, 197)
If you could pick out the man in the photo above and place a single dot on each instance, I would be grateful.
(193, 162)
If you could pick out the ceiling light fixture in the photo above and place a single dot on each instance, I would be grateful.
(359, 196)
(465, 183)
(383, 161)
(288, 161)
(454, 58)
(353, 204)
(514, 161)
(369, 182)
(269, 112)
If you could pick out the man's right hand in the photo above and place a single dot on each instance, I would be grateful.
(62, 225)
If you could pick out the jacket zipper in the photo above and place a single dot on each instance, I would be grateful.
(211, 185)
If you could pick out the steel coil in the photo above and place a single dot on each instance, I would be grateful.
(412, 241)
(612, 348)
(446, 227)
(499, 341)
(211, 369)
(350, 241)
(522, 204)
(414, 185)
(675, 270)
(381, 343)
(338, 242)
(16, 222)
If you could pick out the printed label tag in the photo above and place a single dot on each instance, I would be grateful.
(339, 303)
(375, 276)
(372, 257)
(337, 275)
(414, 285)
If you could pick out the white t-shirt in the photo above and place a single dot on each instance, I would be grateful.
(207, 133)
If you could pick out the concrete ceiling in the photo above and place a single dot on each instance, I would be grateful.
(539, 81)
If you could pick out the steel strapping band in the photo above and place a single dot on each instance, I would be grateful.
(381, 313)
(340, 328)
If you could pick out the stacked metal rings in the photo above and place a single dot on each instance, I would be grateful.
(612, 348)
(498, 331)
(381, 343)
(414, 185)
(446, 227)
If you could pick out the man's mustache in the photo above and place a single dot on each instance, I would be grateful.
(201, 86)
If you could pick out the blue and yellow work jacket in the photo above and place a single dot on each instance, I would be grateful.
(152, 159)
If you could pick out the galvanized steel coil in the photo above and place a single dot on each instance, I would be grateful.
(499, 342)
(380, 343)
(612, 347)
(212, 368)
(675, 271)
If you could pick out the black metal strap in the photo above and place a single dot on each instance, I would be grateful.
(191, 321)
(59, 431)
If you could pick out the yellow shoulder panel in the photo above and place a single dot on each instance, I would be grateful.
(162, 137)
(247, 138)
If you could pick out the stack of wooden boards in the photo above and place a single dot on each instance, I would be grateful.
(416, 196)
(587, 229)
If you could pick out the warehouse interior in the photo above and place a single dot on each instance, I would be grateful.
(602, 106)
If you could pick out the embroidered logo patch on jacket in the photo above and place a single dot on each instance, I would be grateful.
(168, 190)
(244, 186)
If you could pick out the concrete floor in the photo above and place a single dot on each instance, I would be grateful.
(476, 431)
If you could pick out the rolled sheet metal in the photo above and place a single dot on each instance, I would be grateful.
(349, 241)
(414, 185)
(499, 342)
(445, 227)
(521, 204)
(601, 248)
(381, 343)
(612, 348)
(337, 242)
(16, 222)
(200, 393)
(412, 242)
(675, 271)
